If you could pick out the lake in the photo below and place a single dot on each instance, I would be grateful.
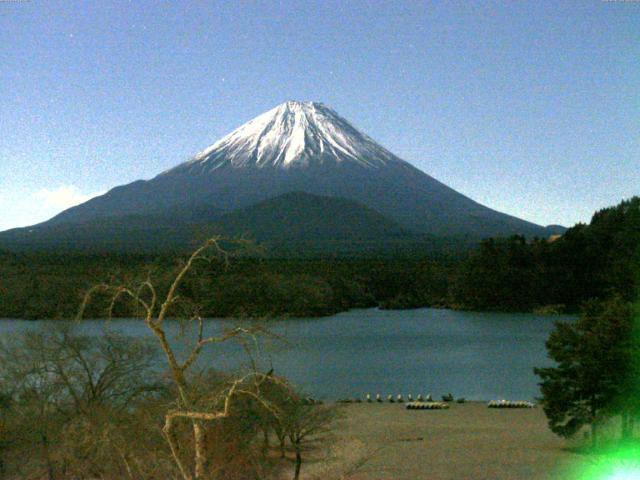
(479, 356)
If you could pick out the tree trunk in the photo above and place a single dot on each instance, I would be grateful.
(594, 421)
(282, 451)
(201, 458)
(50, 469)
(174, 447)
(628, 425)
(296, 475)
(624, 424)
(265, 444)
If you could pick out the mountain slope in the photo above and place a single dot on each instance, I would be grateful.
(295, 222)
(301, 147)
(302, 217)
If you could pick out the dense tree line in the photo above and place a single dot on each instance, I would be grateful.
(48, 285)
(598, 260)
(596, 372)
(505, 274)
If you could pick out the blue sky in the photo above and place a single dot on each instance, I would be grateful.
(529, 107)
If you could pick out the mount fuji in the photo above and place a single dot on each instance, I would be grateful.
(299, 148)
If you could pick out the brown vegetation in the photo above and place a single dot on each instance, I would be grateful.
(97, 407)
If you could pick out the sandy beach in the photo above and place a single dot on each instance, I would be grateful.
(468, 441)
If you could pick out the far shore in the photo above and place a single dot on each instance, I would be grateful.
(549, 311)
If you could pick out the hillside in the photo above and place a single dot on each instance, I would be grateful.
(297, 224)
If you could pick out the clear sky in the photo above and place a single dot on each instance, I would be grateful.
(529, 107)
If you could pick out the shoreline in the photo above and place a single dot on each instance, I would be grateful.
(456, 308)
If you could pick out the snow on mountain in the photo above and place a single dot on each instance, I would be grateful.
(292, 134)
(302, 147)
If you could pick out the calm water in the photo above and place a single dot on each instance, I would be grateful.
(479, 356)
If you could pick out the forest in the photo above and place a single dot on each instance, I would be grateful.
(589, 261)
(593, 261)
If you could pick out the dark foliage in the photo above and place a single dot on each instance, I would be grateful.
(47, 285)
(589, 261)
(595, 375)
(506, 274)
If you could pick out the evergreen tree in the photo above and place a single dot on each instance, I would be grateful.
(595, 359)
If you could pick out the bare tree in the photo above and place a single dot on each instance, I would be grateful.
(306, 426)
(68, 395)
(155, 309)
(300, 424)
(301, 420)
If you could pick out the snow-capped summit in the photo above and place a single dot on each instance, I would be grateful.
(293, 134)
(300, 147)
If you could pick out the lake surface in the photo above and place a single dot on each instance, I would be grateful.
(479, 356)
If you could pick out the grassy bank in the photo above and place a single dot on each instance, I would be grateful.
(468, 441)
